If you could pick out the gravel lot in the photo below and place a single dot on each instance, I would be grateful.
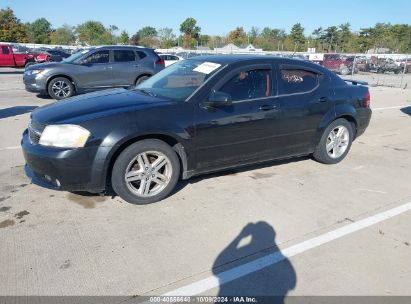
(59, 243)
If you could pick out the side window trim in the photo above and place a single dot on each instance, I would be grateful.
(297, 67)
(110, 54)
(262, 66)
(300, 93)
(114, 58)
(286, 66)
(138, 57)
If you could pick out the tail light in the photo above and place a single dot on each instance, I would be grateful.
(161, 62)
(367, 99)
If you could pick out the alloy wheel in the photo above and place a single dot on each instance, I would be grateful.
(148, 173)
(337, 142)
(61, 88)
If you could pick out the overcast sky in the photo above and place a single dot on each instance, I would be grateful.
(215, 17)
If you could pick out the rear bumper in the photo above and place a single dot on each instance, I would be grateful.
(64, 169)
(363, 120)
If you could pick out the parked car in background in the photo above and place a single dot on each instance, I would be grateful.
(406, 62)
(55, 55)
(14, 56)
(295, 56)
(200, 115)
(361, 63)
(186, 55)
(383, 65)
(170, 59)
(338, 63)
(93, 69)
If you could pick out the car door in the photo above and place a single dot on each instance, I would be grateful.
(305, 97)
(6, 56)
(125, 67)
(94, 71)
(237, 133)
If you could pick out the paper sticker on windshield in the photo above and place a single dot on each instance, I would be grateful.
(207, 67)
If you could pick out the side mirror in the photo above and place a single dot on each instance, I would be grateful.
(217, 99)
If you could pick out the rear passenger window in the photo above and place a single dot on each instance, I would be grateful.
(4, 49)
(141, 54)
(124, 56)
(297, 81)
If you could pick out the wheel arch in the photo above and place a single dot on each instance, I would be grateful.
(351, 119)
(172, 141)
(346, 111)
(61, 75)
(142, 75)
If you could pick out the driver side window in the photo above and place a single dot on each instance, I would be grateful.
(97, 57)
(248, 84)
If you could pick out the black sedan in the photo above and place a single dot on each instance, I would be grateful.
(199, 115)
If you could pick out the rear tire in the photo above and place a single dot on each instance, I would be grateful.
(335, 143)
(146, 172)
(60, 88)
(141, 79)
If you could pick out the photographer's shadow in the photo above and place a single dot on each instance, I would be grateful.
(272, 283)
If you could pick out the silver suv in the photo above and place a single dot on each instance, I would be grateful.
(93, 69)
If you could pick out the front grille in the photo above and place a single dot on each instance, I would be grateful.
(35, 130)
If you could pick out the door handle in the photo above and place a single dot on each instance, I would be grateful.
(136, 65)
(108, 68)
(323, 99)
(268, 107)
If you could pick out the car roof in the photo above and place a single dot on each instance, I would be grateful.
(122, 46)
(230, 59)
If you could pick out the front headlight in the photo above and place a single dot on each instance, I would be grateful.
(34, 72)
(64, 136)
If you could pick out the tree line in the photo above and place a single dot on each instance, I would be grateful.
(341, 38)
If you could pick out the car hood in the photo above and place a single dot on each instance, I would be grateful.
(94, 105)
(45, 65)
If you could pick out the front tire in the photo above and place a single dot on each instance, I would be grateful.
(335, 142)
(28, 64)
(344, 71)
(60, 88)
(145, 172)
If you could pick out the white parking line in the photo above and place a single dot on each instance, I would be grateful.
(389, 108)
(10, 148)
(276, 257)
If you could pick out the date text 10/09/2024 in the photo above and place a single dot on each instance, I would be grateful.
(202, 299)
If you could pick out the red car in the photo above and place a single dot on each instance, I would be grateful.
(338, 63)
(44, 57)
(18, 56)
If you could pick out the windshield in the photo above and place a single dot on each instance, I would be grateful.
(76, 56)
(180, 80)
(19, 48)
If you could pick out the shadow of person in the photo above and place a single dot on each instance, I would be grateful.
(14, 111)
(252, 265)
(406, 110)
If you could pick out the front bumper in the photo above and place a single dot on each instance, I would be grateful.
(35, 83)
(64, 169)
